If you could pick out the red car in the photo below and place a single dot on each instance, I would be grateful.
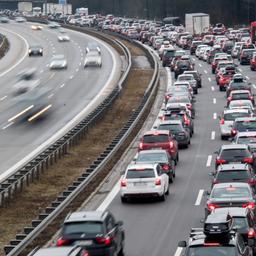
(253, 62)
(160, 139)
(225, 77)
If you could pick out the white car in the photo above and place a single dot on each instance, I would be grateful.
(241, 104)
(58, 62)
(63, 38)
(199, 47)
(92, 58)
(144, 180)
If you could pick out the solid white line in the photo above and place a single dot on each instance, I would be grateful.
(212, 88)
(200, 65)
(71, 77)
(214, 115)
(178, 251)
(22, 58)
(8, 125)
(214, 100)
(199, 197)
(209, 160)
(205, 72)
(209, 79)
(169, 78)
(247, 77)
(110, 197)
(213, 135)
(3, 98)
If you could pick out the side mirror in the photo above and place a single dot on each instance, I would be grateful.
(182, 244)
(211, 174)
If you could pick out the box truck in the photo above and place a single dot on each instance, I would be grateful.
(197, 23)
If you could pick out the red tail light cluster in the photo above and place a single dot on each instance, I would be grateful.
(222, 121)
(141, 145)
(233, 132)
(123, 183)
(221, 161)
(166, 167)
(104, 240)
(251, 233)
(211, 207)
(63, 242)
(158, 182)
(248, 160)
(171, 144)
(250, 205)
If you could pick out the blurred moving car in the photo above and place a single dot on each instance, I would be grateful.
(63, 37)
(35, 50)
(36, 27)
(93, 46)
(92, 58)
(58, 62)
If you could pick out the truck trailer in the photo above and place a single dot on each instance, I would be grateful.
(197, 23)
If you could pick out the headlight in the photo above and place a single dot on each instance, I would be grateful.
(40, 50)
(29, 51)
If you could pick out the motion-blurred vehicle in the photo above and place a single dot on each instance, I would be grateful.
(92, 58)
(20, 19)
(53, 25)
(63, 37)
(35, 50)
(36, 27)
(58, 62)
(4, 19)
(93, 46)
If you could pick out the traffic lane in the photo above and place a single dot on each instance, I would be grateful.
(78, 93)
(160, 226)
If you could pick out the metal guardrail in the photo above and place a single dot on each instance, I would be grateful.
(62, 201)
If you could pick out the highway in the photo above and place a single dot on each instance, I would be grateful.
(76, 91)
(155, 228)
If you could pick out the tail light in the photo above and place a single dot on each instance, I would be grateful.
(141, 145)
(248, 160)
(123, 183)
(251, 97)
(220, 161)
(222, 121)
(163, 118)
(171, 144)
(104, 240)
(215, 182)
(166, 167)
(62, 242)
(85, 253)
(189, 106)
(251, 233)
(158, 182)
(229, 99)
(211, 207)
(186, 120)
(233, 132)
(251, 182)
(250, 205)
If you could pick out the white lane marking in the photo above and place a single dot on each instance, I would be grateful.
(213, 135)
(3, 98)
(169, 78)
(209, 79)
(80, 64)
(47, 65)
(214, 115)
(51, 95)
(71, 77)
(199, 197)
(8, 125)
(209, 160)
(110, 197)
(20, 113)
(200, 65)
(178, 251)
(193, 59)
(22, 58)
(41, 71)
(213, 88)
(205, 71)
(77, 69)
(240, 70)
(62, 85)
(247, 77)
(214, 100)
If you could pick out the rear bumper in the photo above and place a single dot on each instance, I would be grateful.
(137, 193)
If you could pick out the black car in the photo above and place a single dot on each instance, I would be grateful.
(216, 238)
(180, 133)
(35, 50)
(235, 194)
(243, 222)
(98, 232)
(234, 153)
(193, 46)
(246, 55)
(197, 77)
(167, 57)
(181, 66)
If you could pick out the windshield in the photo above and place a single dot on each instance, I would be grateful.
(169, 54)
(155, 138)
(170, 127)
(246, 140)
(212, 251)
(152, 157)
(239, 223)
(139, 174)
(244, 126)
(233, 116)
(233, 175)
(230, 192)
(86, 227)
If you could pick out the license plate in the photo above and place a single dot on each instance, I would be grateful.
(232, 162)
(140, 184)
(84, 242)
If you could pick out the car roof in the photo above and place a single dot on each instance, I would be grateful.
(237, 166)
(141, 166)
(85, 216)
(231, 184)
(152, 151)
(157, 132)
(234, 146)
(233, 211)
(239, 91)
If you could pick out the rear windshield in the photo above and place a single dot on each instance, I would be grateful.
(233, 153)
(183, 63)
(212, 251)
(239, 223)
(86, 227)
(246, 140)
(155, 138)
(244, 126)
(152, 157)
(231, 192)
(139, 174)
(170, 127)
(238, 96)
(169, 54)
(179, 100)
(233, 116)
(233, 175)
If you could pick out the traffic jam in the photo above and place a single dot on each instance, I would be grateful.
(228, 227)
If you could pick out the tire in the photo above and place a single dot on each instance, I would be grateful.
(124, 200)
(167, 192)
(222, 137)
(171, 179)
(213, 71)
(121, 252)
(220, 88)
(162, 198)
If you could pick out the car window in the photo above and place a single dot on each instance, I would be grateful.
(231, 192)
(170, 127)
(152, 157)
(246, 139)
(233, 153)
(233, 116)
(245, 126)
(84, 227)
(212, 251)
(239, 223)
(233, 175)
(237, 96)
(155, 138)
(136, 174)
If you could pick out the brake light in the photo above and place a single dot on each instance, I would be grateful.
(251, 97)
(123, 183)
(248, 160)
(233, 132)
(85, 253)
(166, 167)
(158, 182)
(211, 207)
(141, 145)
(251, 182)
(222, 121)
(211, 244)
(250, 205)
(251, 233)
(62, 242)
(215, 182)
(220, 161)
(163, 118)
(171, 144)
(229, 98)
(189, 106)
(104, 240)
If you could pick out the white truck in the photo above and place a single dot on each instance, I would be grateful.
(25, 7)
(53, 8)
(197, 23)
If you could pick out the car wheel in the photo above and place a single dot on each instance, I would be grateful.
(121, 252)
(124, 199)
(162, 198)
(223, 137)
(213, 71)
(167, 192)
(220, 89)
(171, 178)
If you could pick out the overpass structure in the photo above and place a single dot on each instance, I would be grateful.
(13, 4)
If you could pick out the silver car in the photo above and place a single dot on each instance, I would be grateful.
(92, 58)
(227, 119)
(63, 38)
(248, 138)
(189, 78)
(58, 62)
